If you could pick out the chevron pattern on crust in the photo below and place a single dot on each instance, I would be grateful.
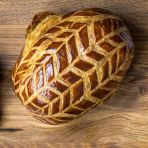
(71, 63)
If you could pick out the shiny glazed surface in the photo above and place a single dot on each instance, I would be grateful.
(71, 63)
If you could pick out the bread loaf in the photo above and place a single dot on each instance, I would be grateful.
(71, 63)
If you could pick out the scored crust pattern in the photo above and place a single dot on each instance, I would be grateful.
(71, 63)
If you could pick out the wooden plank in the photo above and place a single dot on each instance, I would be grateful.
(122, 121)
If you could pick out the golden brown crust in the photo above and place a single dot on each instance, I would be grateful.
(87, 12)
(36, 20)
(71, 63)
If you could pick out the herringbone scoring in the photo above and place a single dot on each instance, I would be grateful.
(71, 63)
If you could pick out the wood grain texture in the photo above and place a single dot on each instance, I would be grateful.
(122, 121)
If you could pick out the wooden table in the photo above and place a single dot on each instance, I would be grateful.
(122, 121)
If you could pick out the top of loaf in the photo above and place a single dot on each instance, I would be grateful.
(71, 63)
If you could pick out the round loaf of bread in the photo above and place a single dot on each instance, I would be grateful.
(71, 63)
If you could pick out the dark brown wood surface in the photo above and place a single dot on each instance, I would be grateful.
(122, 121)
